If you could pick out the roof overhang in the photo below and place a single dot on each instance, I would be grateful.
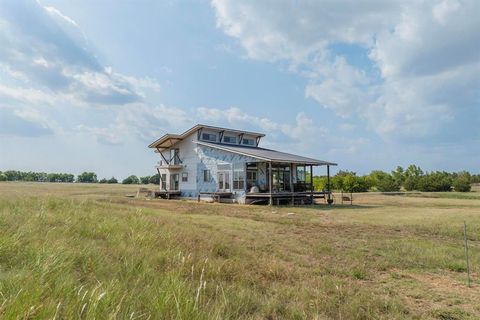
(165, 142)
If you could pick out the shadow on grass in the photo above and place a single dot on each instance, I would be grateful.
(326, 207)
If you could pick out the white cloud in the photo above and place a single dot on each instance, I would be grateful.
(424, 61)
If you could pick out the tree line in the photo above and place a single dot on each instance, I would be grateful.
(85, 177)
(413, 178)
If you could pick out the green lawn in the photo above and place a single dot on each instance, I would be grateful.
(87, 251)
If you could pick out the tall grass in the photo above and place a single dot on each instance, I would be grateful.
(74, 257)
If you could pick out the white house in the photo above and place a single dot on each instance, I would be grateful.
(213, 162)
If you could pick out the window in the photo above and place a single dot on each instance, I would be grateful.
(206, 176)
(209, 137)
(251, 175)
(238, 179)
(301, 177)
(184, 176)
(251, 178)
(248, 142)
(163, 181)
(174, 156)
(228, 139)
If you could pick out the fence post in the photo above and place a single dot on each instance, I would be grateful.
(466, 251)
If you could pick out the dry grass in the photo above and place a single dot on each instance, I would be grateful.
(86, 251)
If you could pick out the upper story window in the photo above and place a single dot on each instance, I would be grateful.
(229, 139)
(175, 156)
(248, 142)
(209, 137)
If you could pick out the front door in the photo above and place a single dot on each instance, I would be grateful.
(224, 181)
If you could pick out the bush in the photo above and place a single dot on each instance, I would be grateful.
(411, 183)
(434, 182)
(103, 181)
(3, 177)
(131, 180)
(388, 184)
(383, 181)
(462, 184)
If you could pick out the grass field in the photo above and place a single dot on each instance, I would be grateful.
(87, 251)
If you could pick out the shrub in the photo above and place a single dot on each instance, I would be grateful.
(131, 180)
(462, 184)
(435, 181)
(383, 181)
(411, 183)
(3, 177)
(388, 184)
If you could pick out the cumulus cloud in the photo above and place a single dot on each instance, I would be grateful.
(303, 134)
(422, 73)
(57, 56)
(25, 123)
(45, 60)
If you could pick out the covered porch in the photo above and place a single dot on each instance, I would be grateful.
(284, 183)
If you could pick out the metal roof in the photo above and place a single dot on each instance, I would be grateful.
(266, 154)
(167, 140)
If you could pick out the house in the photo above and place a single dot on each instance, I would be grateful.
(212, 163)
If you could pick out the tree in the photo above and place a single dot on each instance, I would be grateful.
(112, 180)
(435, 181)
(462, 182)
(131, 180)
(145, 180)
(399, 175)
(87, 177)
(155, 179)
(104, 180)
(3, 177)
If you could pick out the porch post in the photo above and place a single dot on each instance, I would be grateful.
(328, 184)
(291, 184)
(311, 183)
(270, 181)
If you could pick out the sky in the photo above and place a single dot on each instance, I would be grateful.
(86, 85)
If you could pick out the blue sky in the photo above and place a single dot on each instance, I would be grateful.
(87, 85)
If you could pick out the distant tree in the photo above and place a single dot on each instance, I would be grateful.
(435, 181)
(399, 175)
(320, 183)
(131, 180)
(3, 177)
(382, 181)
(145, 180)
(475, 178)
(412, 177)
(87, 177)
(104, 180)
(337, 180)
(462, 182)
(112, 180)
(413, 171)
(155, 179)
